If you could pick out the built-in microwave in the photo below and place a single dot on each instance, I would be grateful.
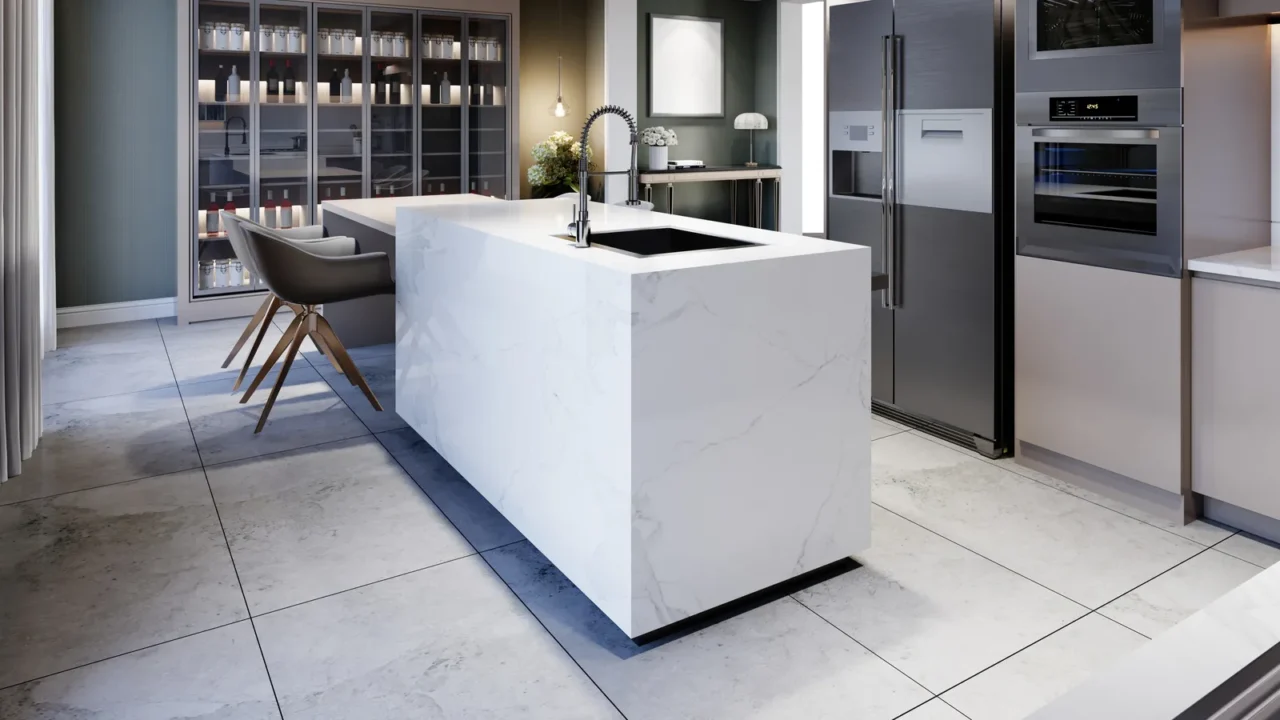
(1099, 179)
(1098, 44)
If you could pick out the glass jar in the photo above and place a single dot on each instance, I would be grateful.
(222, 33)
(322, 41)
(295, 39)
(400, 45)
(208, 35)
(265, 35)
(235, 40)
(221, 272)
(206, 274)
(246, 278)
(446, 46)
(428, 46)
(491, 49)
(235, 273)
(280, 38)
(375, 43)
(349, 42)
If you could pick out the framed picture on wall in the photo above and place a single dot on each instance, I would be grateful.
(686, 66)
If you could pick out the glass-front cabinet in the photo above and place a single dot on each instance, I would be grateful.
(299, 102)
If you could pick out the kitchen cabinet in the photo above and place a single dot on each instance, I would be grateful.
(1235, 407)
(294, 102)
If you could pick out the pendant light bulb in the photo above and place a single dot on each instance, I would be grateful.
(559, 109)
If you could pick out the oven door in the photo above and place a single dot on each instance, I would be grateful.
(1098, 45)
(1101, 196)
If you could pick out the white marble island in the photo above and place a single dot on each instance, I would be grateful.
(673, 432)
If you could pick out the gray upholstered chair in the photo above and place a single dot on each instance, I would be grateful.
(310, 237)
(306, 281)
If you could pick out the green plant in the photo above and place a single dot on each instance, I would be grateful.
(556, 162)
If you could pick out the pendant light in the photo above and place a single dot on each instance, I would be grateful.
(559, 109)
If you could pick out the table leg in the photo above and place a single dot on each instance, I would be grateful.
(759, 203)
(648, 192)
(777, 204)
(671, 198)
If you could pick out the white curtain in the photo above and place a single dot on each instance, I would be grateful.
(23, 311)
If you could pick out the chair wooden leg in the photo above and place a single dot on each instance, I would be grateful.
(299, 335)
(271, 359)
(324, 350)
(263, 315)
(340, 352)
(273, 304)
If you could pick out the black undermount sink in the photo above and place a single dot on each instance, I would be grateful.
(663, 241)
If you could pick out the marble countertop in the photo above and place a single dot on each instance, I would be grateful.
(1262, 264)
(380, 213)
(537, 222)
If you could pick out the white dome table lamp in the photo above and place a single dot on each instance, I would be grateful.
(752, 122)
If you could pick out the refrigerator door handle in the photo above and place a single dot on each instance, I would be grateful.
(892, 269)
(885, 144)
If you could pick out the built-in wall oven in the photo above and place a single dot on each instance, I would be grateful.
(1099, 179)
(1098, 44)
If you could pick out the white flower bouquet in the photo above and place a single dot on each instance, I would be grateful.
(659, 137)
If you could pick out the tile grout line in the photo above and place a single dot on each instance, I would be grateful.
(226, 541)
(953, 707)
(992, 463)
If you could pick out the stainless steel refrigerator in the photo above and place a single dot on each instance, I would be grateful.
(920, 141)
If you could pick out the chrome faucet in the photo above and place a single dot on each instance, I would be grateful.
(581, 227)
(226, 133)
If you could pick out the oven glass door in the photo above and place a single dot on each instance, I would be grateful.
(1074, 25)
(1104, 197)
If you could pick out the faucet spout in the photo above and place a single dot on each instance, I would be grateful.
(581, 225)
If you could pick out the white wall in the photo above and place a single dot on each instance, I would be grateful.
(621, 35)
(789, 115)
(813, 103)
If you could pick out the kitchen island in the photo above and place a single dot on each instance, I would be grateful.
(672, 431)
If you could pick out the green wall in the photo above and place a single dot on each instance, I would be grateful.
(115, 175)
(750, 42)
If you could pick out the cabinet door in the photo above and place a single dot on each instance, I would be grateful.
(340, 97)
(284, 115)
(487, 121)
(1235, 404)
(441, 46)
(391, 151)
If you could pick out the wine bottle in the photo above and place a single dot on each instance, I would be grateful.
(233, 86)
(231, 204)
(346, 85)
(446, 91)
(393, 89)
(335, 84)
(211, 216)
(269, 211)
(380, 87)
(220, 85)
(273, 81)
(286, 212)
(290, 80)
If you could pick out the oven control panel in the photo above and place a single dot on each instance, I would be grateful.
(1102, 108)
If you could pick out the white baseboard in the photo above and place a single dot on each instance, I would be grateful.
(105, 313)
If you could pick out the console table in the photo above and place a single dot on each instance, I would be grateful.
(722, 173)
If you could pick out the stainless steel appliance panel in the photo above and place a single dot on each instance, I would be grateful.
(947, 53)
(854, 55)
(946, 159)
(854, 220)
(1098, 44)
(1108, 197)
(945, 366)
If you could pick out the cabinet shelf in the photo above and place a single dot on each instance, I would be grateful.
(283, 53)
(228, 53)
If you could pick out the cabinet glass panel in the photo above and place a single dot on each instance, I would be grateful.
(340, 91)
(391, 105)
(487, 112)
(284, 94)
(224, 161)
(440, 47)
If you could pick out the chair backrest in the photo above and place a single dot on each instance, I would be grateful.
(278, 263)
(239, 243)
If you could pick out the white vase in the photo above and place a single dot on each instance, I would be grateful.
(657, 158)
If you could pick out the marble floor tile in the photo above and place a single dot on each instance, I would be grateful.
(324, 519)
(1251, 549)
(307, 412)
(1040, 674)
(778, 660)
(96, 573)
(880, 428)
(112, 333)
(1200, 531)
(932, 609)
(1179, 593)
(483, 526)
(95, 370)
(358, 354)
(380, 372)
(215, 675)
(1088, 553)
(88, 443)
(935, 709)
(450, 642)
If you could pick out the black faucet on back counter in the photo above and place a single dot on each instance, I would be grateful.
(226, 134)
(581, 227)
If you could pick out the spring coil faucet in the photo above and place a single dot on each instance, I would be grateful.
(581, 227)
